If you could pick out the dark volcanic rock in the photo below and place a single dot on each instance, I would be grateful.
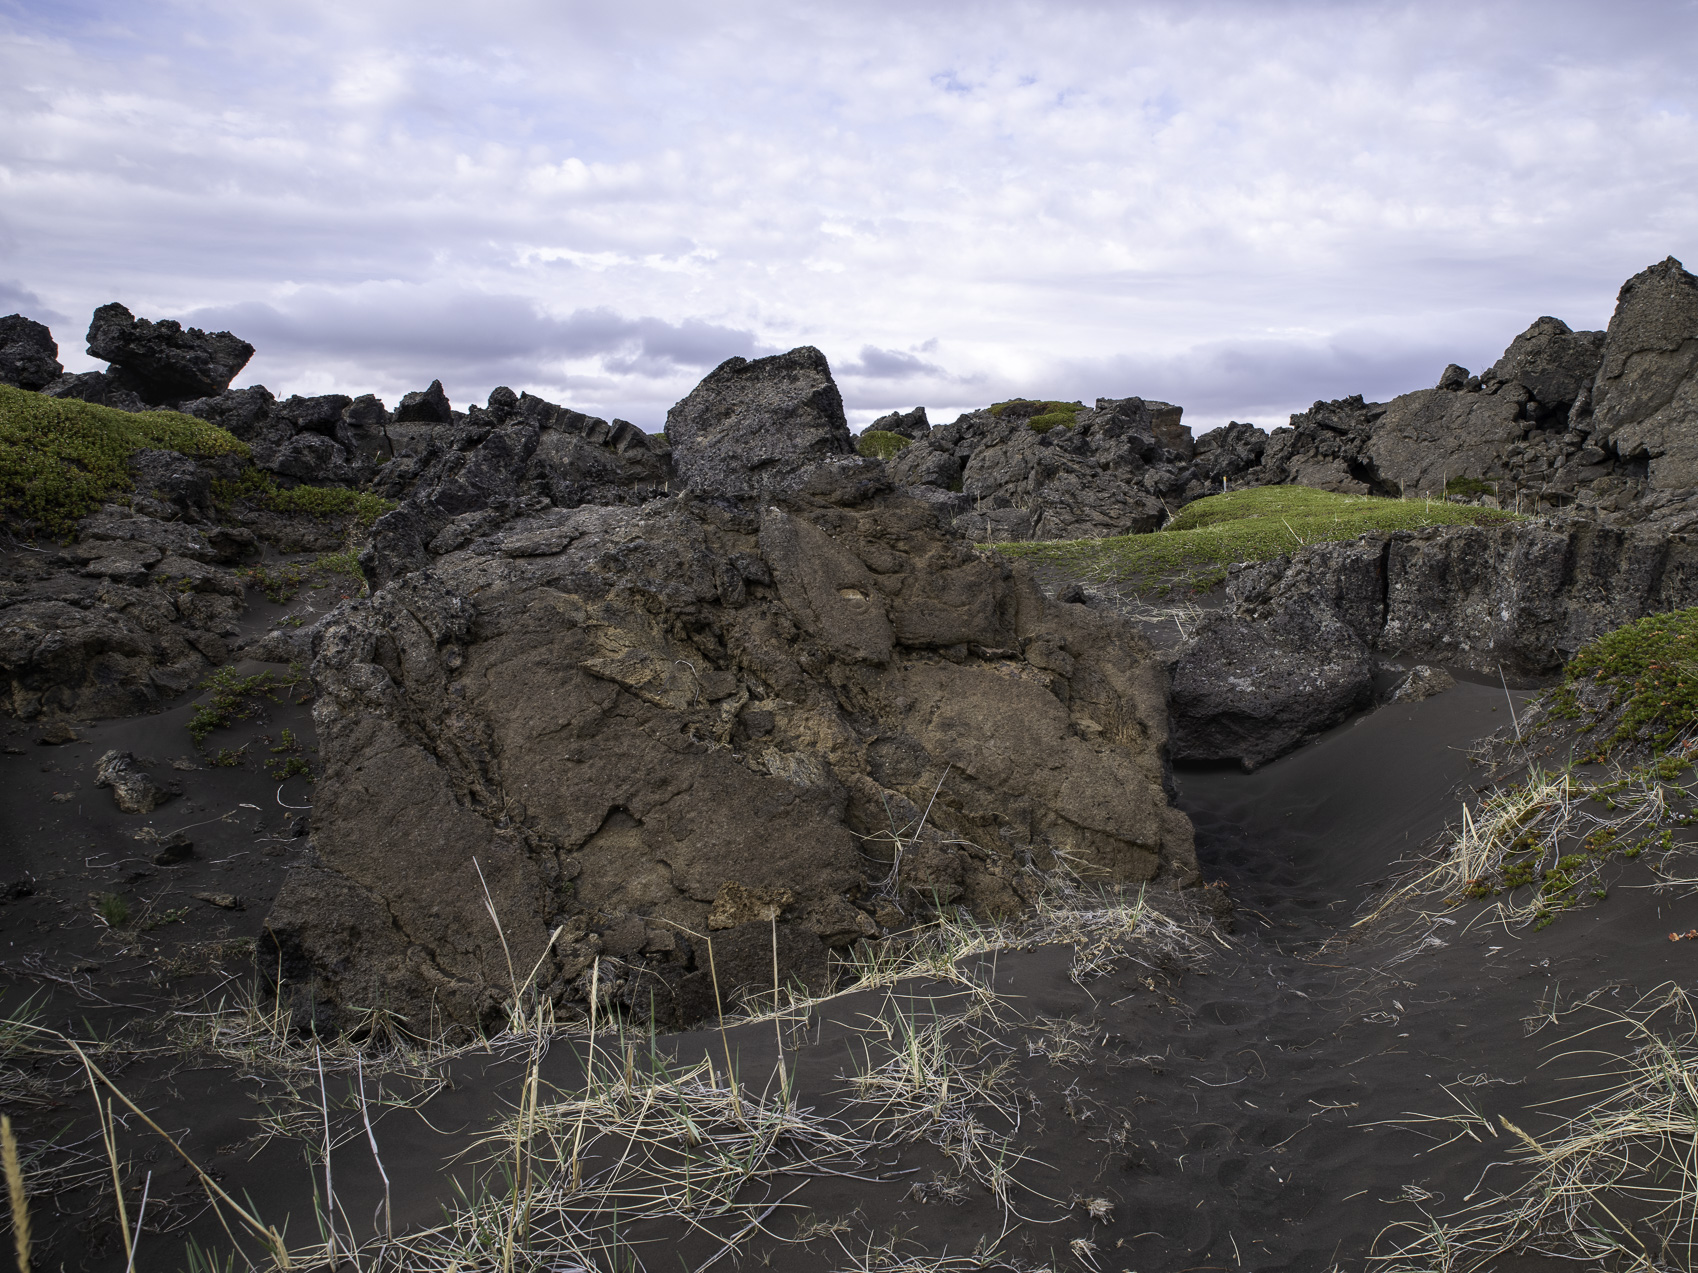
(635, 719)
(751, 425)
(1106, 475)
(909, 424)
(29, 356)
(133, 789)
(1519, 599)
(1645, 402)
(99, 387)
(425, 406)
(163, 363)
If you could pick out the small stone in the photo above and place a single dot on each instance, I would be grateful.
(134, 790)
(57, 735)
(224, 901)
(175, 848)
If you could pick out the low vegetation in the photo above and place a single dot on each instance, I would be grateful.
(60, 457)
(1635, 686)
(1195, 548)
(1043, 415)
(326, 503)
(281, 583)
(231, 697)
(881, 444)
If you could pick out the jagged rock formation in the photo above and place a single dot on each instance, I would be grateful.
(752, 425)
(907, 424)
(153, 364)
(1106, 475)
(327, 440)
(1599, 421)
(29, 356)
(134, 612)
(706, 718)
(1295, 652)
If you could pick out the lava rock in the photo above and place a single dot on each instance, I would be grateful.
(425, 406)
(29, 356)
(133, 789)
(1645, 400)
(751, 425)
(163, 362)
(173, 849)
(909, 424)
(1420, 682)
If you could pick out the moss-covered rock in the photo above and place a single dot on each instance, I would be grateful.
(60, 458)
(881, 444)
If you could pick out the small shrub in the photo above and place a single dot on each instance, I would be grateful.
(113, 910)
(1469, 487)
(1047, 421)
(233, 698)
(881, 444)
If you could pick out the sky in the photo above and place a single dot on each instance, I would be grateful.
(1237, 207)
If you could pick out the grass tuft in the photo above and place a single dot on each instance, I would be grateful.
(1258, 524)
(60, 458)
(881, 444)
(1645, 674)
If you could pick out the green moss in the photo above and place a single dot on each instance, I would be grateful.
(1650, 672)
(881, 444)
(329, 502)
(60, 458)
(1469, 486)
(1049, 419)
(1195, 548)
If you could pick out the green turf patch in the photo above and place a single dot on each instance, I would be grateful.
(281, 583)
(60, 457)
(1046, 414)
(881, 444)
(1194, 549)
(1650, 668)
(327, 503)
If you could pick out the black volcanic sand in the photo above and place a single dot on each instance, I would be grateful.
(1234, 1106)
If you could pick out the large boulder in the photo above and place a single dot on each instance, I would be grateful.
(29, 356)
(647, 728)
(163, 362)
(1645, 401)
(753, 425)
(425, 406)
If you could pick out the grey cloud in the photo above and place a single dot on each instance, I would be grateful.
(888, 364)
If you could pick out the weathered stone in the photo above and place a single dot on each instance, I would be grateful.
(1421, 682)
(164, 363)
(752, 425)
(133, 789)
(1645, 401)
(908, 424)
(425, 406)
(634, 719)
(29, 356)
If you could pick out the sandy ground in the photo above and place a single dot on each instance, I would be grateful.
(1231, 1103)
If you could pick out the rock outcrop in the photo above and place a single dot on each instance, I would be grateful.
(1293, 654)
(163, 363)
(699, 718)
(118, 622)
(750, 426)
(29, 356)
(907, 424)
(1108, 473)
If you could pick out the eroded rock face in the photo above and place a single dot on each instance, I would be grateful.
(1292, 655)
(29, 356)
(908, 424)
(1645, 401)
(162, 362)
(752, 425)
(638, 719)
(134, 612)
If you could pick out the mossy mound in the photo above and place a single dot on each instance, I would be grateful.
(1640, 682)
(1194, 549)
(60, 458)
(323, 502)
(1470, 486)
(1041, 415)
(881, 444)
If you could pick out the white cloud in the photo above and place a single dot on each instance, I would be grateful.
(1238, 207)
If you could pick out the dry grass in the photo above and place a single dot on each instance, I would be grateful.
(1612, 1185)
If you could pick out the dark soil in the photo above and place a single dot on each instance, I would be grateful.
(1237, 1108)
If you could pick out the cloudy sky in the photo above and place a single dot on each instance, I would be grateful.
(1239, 207)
